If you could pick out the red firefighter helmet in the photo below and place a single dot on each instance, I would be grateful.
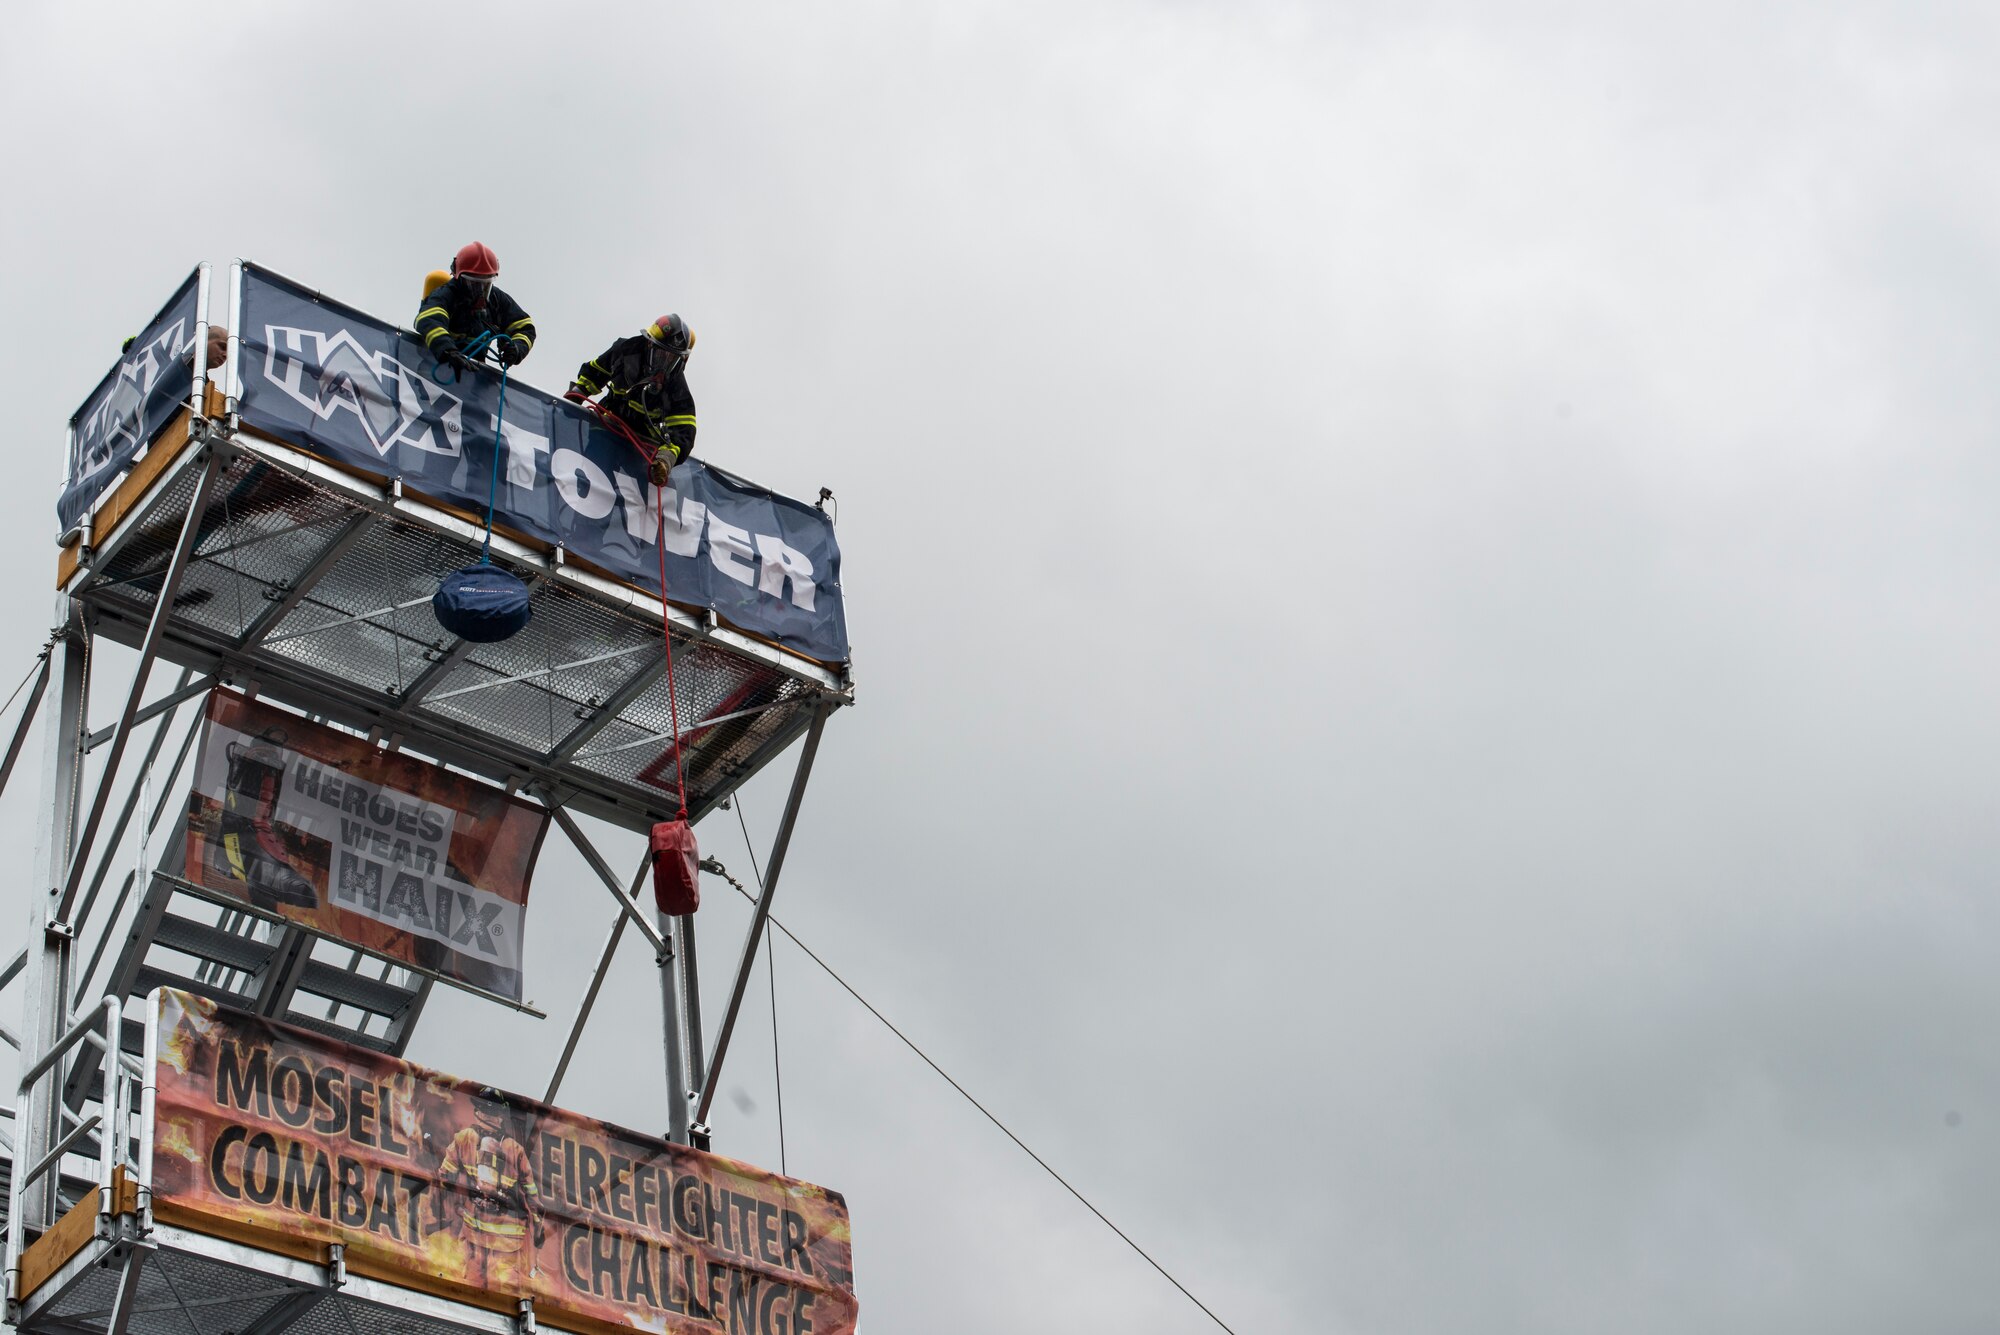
(476, 260)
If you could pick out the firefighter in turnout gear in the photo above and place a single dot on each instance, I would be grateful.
(488, 1172)
(644, 381)
(467, 305)
(248, 850)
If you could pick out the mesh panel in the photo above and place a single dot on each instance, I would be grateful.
(708, 683)
(221, 1299)
(90, 1296)
(180, 1294)
(322, 1318)
(390, 644)
(142, 560)
(370, 1319)
(267, 529)
(156, 1302)
(530, 688)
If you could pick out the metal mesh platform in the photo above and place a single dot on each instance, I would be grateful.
(313, 587)
(184, 1283)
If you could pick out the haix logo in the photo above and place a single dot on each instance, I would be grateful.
(334, 373)
(116, 424)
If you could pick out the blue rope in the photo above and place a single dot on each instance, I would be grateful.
(475, 350)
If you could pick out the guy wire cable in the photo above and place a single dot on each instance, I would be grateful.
(736, 800)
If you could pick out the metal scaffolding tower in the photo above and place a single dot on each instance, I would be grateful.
(240, 560)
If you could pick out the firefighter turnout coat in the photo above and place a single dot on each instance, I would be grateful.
(646, 385)
(454, 310)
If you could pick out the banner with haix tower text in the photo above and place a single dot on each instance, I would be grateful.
(355, 389)
(373, 847)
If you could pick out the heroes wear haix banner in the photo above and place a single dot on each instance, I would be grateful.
(130, 405)
(348, 387)
(432, 1182)
(380, 849)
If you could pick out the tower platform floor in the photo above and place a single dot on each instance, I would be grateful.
(311, 585)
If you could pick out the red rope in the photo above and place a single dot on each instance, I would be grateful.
(666, 634)
(619, 428)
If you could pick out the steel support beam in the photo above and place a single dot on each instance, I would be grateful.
(183, 691)
(280, 980)
(428, 679)
(124, 821)
(629, 903)
(657, 738)
(28, 712)
(45, 1007)
(350, 619)
(774, 865)
(631, 651)
(602, 715)
(590, 992)
(163, 608)
(295, 593)
(697, 1066)
(404, 1027)
(670, 1039)
(131, 878)
(281, 1315)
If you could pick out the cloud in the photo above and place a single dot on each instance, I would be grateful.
(1420, 578)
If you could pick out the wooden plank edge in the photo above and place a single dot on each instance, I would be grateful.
(55, 1248)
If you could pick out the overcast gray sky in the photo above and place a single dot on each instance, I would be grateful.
(1422, 584)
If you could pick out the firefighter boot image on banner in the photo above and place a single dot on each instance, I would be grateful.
(249, 851)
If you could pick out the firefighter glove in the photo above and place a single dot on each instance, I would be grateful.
(664, 460)
(513, 352)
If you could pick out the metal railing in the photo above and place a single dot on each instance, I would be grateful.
(112, 1122)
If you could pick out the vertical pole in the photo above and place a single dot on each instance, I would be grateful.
(670, 1032)
(697, 1065)
(111, 1123)
(198, 358)
(233, 379)
(762, 915)
(50, 944)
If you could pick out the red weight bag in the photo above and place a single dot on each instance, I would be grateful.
(676, 868)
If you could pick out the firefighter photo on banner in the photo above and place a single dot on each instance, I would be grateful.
(290, 1141)
(376, 848)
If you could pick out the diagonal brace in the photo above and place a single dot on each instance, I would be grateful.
(166, 704)
(773, 866)
(295, 593)
(163, 608)
(629, 902)
(590, 992)
(28, 712)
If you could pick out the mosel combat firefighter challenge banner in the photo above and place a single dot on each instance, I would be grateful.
(149, 385)
(380, 849)
(341, 384)
(293, 1141)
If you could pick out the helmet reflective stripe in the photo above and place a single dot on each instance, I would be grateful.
(671, 332)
